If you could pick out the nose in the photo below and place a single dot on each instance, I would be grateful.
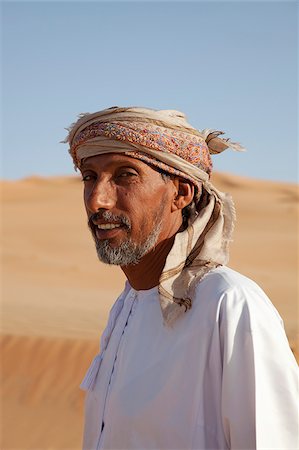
(99, 196)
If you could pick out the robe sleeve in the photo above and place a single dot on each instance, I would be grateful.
(260, 374)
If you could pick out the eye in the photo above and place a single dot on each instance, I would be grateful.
(87, 177)
(128, 173)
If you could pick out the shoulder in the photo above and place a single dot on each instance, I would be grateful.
(224, 279)
(234, 296)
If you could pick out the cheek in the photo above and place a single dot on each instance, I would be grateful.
(86, 196)
(125, 201)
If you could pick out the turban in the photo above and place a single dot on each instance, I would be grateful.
(166, 140)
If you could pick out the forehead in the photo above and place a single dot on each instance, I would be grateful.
(109, 161)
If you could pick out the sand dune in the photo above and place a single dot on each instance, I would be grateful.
(56, 295)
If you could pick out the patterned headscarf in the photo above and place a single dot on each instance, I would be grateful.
(166, 140)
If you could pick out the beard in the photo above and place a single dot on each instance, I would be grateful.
(128, 252)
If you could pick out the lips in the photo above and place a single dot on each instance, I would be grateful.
(108, 226)
(108, 230)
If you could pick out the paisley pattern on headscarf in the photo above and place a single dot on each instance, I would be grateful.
(190, 147)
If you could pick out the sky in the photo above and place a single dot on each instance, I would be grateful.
(229, 65)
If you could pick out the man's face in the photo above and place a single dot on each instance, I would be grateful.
(128, 206)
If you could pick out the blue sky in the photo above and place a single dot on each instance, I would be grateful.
(228, 65)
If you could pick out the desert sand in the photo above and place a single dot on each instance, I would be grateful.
(56, 295)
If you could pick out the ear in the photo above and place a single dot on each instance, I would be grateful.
(184, 193)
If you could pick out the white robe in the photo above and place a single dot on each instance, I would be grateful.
(222, 377)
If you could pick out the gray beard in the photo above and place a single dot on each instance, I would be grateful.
(128, 252)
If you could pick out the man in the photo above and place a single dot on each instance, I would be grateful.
(194, 355)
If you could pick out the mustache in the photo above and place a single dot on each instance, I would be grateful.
(108, 217)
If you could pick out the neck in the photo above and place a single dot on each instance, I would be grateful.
(146, 274)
